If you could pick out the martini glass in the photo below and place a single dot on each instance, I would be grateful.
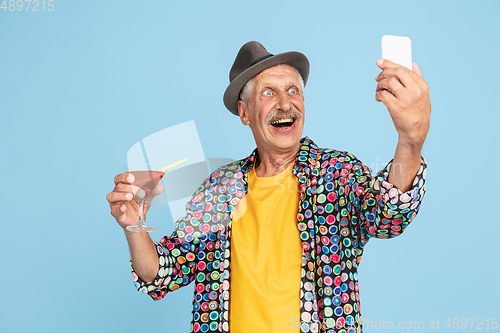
(147, 177)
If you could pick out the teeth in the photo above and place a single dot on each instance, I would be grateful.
(287, 120)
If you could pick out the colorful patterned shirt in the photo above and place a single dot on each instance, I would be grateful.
(341, 207)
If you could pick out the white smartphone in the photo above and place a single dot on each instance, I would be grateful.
(397, 49)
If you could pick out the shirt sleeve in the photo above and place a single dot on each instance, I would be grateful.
(174, 268)
(177, 254)
(383, 211)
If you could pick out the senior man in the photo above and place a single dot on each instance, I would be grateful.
(272, 242)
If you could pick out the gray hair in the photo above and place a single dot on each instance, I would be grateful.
(247, 89)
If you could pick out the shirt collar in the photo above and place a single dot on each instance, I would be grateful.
(305, 160)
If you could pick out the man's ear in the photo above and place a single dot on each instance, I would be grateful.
(243, 113)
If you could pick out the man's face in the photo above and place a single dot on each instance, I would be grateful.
(276, 110)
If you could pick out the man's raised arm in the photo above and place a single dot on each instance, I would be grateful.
(406, 95)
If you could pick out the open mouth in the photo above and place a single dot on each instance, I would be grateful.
(283, 123)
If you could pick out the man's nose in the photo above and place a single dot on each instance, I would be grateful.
(284, 102)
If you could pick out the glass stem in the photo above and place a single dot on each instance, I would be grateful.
(141, 212)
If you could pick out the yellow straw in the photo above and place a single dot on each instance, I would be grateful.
(172, 165)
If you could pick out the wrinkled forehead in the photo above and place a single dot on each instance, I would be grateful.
(278, 72)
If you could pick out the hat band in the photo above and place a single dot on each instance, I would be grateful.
(260, 59)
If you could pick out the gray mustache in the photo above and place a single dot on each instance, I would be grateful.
(279, 114)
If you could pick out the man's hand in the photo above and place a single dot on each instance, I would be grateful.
(125, 210)
(121, 200)
(406, 95)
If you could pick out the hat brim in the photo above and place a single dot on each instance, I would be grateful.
(294, 59)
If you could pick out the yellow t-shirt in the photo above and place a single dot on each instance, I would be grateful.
(266, 257)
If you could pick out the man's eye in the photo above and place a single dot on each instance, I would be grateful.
(293, 91)
(267, 93)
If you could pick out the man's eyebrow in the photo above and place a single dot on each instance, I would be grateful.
(287, 84)
(265, 86)
(295, 85)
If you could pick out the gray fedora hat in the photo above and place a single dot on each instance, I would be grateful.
(252, 59)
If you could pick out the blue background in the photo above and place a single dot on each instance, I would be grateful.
(81, 84)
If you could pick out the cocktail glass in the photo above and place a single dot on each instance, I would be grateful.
(147, 177)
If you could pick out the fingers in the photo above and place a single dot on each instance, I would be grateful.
(157, 190)
(416, 69)
(123, 184)
(384, 63)
(121, 200)
(392, 85)
(398, 81)
(120, 203)
(125, 197)
(402, 74)
(387, 98)
(117, 210)
(125, 178)
(119, 192)
(119, 197)
(390, 68)
(115, 197)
